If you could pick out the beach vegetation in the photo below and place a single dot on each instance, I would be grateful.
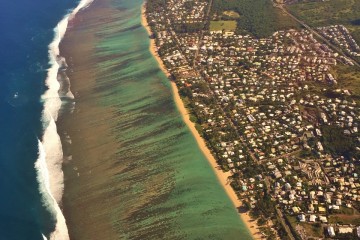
(264, 205)
(261, 221)
(185, 92)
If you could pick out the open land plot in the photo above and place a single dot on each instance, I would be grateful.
(348, 78)
(312, 230)
(345, 219)
(222, 25)
(231, 14)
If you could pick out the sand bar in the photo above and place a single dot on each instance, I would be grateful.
(222, 176)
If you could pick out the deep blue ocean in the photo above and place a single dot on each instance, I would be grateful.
(26, 29)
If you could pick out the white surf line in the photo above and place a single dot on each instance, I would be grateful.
(49, 162)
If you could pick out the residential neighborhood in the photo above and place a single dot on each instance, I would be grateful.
(341, 36)
(274, 114)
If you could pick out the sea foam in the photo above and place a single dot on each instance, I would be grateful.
(49, 162)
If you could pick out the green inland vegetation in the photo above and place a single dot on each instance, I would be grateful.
(336, 142)
(258, 17)
(348, 78)
(323, 13)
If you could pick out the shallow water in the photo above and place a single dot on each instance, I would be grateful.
(157, 184)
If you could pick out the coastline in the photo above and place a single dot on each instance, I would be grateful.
(250, 223)
(119, 97)
(152, 46)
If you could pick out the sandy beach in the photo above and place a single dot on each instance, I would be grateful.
(222, 176)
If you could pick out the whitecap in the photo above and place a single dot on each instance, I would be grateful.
(49, 163)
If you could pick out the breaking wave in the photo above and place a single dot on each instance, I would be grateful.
(49, 163)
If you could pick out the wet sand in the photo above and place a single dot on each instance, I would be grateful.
(221, 175)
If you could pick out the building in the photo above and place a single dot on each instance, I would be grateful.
(331, 231)
(344, 230)
(301, 218)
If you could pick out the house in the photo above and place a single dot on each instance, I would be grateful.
(296, 209)
(323, 219)
(301, 218)
(344, 230)
(331, 231)
(322, 210)
(312, 218)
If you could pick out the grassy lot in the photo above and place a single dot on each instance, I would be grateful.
(293, 221)
(348, 77)
(345, 219)
(346, 12)
(313, 230)
(231, 14)
(222, 25)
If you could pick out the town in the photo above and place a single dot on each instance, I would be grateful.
(274, 113)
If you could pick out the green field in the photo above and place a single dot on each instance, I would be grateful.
(222, 25)
(348, 78)
(346, 12)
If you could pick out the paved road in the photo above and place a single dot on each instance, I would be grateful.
(202, 33)
(279, 213)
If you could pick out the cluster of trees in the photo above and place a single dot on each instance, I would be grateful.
(188, 27)
(336, 142)
(155, 5)
(258, 17)
(264, 205)
(347, 236)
